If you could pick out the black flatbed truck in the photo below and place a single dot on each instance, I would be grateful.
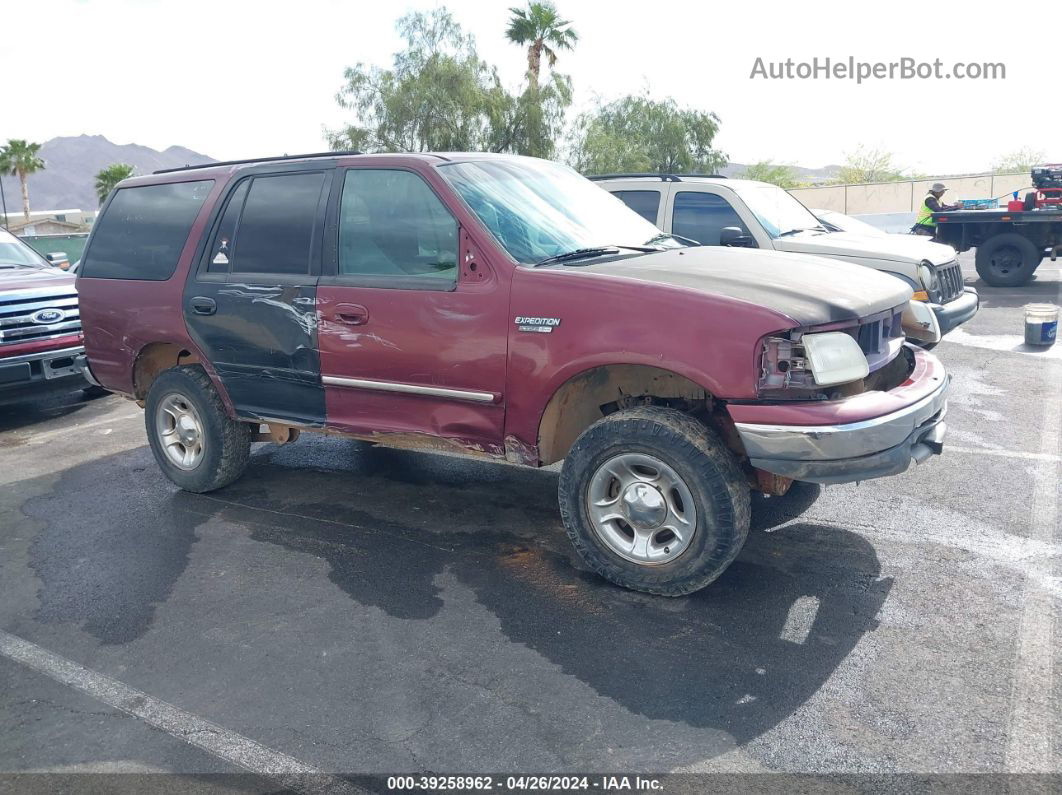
(1010, 245)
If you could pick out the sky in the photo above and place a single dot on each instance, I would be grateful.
(236, 79)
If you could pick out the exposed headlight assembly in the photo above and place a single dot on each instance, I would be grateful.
(834, 358)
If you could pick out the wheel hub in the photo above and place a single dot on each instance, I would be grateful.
(641, 509)
(644, 506)
(180, 431)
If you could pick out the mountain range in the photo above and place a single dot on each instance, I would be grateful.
(71, 163)
(68, 180)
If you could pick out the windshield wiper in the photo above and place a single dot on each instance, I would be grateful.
(593, 251)
(804, 229)
(689, 241)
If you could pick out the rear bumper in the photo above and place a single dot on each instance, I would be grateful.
(954, 313)
(47, 372)
(861, 449)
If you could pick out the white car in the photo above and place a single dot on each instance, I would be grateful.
(714, 210)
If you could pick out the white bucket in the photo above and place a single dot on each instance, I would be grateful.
(1041, 324)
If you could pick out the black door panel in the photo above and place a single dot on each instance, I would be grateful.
(260, 274)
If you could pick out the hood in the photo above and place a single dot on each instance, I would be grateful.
(911, 249)
(13, 279)
(810, 290)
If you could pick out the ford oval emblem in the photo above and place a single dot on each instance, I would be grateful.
(46, 316)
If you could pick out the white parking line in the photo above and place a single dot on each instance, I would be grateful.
(1020, 454)
(222, 743)
(1029, 736)
(1011, 343)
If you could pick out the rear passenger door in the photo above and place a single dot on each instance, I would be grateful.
(251, 303)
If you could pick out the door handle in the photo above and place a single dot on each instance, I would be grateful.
(352, 314)
(202, 305)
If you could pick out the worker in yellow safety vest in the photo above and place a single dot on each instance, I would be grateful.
(925, 224)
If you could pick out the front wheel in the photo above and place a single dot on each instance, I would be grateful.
(196, 444)
(653, 501)
(1007, 260)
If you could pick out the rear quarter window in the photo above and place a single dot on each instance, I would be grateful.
(143, 230)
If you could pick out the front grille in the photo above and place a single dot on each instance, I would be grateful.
(26, 316)
(949, 282)
(873, 337)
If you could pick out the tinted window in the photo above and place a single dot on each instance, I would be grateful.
(225, 239)
(142, 232)
(700, 216)
(644, 202)
(276, 228)
(392, 224)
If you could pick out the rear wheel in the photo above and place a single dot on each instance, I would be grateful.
(653, 501)
(196, 444)
(1007, 260)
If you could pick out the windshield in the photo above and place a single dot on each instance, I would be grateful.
(537, 209)
(847, 223)
(776, 210)
(16, 254)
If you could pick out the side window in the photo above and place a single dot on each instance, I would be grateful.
(143, 230)
(700, 217)
(275, 230)
(392, 224)
(644, 202)
(225, 239)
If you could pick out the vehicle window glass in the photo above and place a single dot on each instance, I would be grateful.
(644, 202)
(777, 210)
(143, 230)
(392, 224)
(276, 228)
(225, 240)
(701, 216)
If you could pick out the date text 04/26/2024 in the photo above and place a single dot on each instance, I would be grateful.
(545, 783)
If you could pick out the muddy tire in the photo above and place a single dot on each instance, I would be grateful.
(196, 444)
(1007, 260)
(653, 501)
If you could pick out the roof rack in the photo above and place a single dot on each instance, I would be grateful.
(661, 177)
(258, 160)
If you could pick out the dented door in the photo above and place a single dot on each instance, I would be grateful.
(251, 305)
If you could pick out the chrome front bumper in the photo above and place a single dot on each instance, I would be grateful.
(854, 451)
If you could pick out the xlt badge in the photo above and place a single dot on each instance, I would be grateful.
(543, 325)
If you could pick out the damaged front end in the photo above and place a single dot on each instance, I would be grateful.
(840, 403)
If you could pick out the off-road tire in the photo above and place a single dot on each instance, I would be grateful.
(227, 442)
(710, 471)
(998, 275)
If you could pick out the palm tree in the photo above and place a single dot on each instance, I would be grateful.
(108, 177)
(544, 32)
(19, 159)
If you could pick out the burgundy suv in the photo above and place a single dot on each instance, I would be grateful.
(503, 307)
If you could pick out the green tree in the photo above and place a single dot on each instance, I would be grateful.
(540, 27)
(540, 109)
(1020, 161)
(438, 95)
(637, 133)
(19, 159)
(869, 165)
(108, 177)
(780, 174)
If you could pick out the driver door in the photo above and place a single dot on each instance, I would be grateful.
(411, 315)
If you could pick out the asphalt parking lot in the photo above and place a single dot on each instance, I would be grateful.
(360, 610)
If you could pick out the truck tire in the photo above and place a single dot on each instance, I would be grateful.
(196, 444)
(1007, 260)
(653, 501)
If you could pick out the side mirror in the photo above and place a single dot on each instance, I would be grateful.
(735, 236)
